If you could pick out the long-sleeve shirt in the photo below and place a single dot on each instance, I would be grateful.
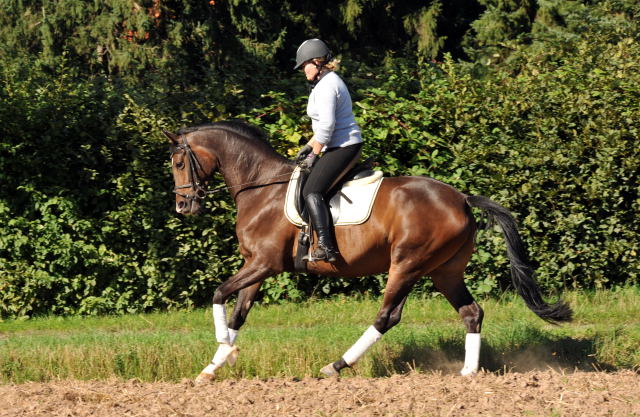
(331, 113)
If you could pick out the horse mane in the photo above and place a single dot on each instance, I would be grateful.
(239, 127)
(244, 130)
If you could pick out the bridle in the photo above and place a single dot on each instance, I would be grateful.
(195, 183)
(198, 186)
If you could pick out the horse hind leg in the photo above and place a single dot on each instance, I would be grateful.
(451, 285)
(388, 316)
(472, 316)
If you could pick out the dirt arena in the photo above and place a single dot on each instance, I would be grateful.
(536, 393)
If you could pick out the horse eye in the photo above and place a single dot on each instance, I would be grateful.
(180, 165)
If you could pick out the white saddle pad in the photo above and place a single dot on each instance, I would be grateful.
(352, 205)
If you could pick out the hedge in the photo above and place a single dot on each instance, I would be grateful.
(86, 211)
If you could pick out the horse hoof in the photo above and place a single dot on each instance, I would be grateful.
(468, 371)
(233, 355)
(329, 370)
(204, 378)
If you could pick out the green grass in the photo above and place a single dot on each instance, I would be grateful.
(296, 340)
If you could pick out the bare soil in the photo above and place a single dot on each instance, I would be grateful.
(535, 393)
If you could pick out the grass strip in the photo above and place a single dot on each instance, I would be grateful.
(296, 340)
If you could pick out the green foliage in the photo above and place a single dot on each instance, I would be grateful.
(86, 219)
(502, 26)
(426, 26)
(565, 128)
(85, 215)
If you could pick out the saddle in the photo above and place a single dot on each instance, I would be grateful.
(350, 203)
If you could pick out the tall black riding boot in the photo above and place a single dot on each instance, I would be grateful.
(319, 216)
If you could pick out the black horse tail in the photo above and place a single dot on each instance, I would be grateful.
(521, 270)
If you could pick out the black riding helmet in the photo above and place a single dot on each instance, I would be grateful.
(310, 49)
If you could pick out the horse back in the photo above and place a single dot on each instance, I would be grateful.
(436, 206)
(416, 215)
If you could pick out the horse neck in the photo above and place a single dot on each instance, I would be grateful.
(248, 163)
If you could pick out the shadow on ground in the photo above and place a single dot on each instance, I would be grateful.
(546, 352)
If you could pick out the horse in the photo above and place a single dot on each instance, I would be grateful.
(418, 227)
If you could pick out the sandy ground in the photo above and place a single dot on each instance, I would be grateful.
(536, 393)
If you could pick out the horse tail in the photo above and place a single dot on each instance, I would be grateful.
(521, 270)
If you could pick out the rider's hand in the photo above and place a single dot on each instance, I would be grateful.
(307, 163)
(303, 153)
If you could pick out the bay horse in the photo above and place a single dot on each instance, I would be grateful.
(418, 227)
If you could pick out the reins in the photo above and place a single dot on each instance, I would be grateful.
(200, 190)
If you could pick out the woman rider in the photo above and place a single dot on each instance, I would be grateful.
(335, 132)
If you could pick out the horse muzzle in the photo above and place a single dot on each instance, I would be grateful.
(189, 206)
(187, 203)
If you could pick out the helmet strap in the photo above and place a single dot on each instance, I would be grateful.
(316, 79)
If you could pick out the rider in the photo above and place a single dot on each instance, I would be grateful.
(335, 132)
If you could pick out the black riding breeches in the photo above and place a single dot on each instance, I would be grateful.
(330, 168)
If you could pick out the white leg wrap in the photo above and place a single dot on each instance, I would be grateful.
(225, 353)
(233, 335)
(369, 337)
(220, 322)
(471, 354)
(210, 369)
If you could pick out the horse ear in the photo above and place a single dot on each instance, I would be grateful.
(173, 138)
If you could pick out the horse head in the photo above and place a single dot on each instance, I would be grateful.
(192, 165)
(239, 151)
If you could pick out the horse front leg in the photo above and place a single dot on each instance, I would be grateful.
(248, 281)
(246, 297)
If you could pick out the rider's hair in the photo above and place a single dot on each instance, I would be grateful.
(333, 65)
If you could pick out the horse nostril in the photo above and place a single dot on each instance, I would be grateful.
(181, 205)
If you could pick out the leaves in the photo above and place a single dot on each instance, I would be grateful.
(86, 209)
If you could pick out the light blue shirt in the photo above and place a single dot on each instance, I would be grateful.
(331, 113)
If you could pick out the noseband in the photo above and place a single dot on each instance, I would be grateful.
(199, 189)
